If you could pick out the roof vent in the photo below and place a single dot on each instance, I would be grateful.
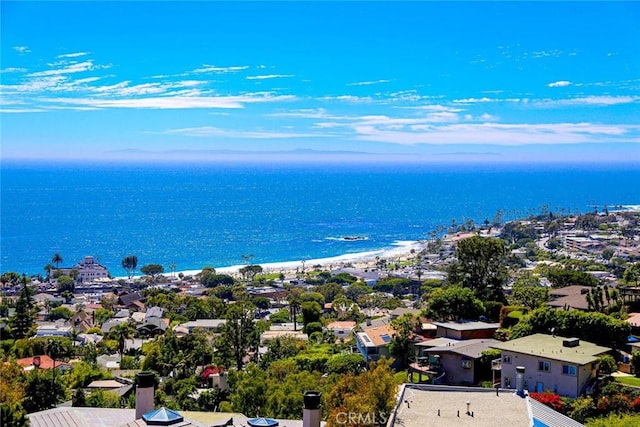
(571, 342)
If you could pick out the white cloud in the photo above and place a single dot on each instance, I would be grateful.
(561, 83)
(269, 76)
(210, 131)
(366, 83)
(219, 70)
(72, 67)
(590, 100)
(13, 70)
(22, 49)
(72, 55)
(21, 110)
(436, 107)
(172, 102)
(501, 134)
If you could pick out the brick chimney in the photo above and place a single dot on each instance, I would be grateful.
(311, 414)
(144, 393)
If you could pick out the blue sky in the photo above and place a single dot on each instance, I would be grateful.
(419, 81)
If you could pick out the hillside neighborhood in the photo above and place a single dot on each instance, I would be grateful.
(527, 322)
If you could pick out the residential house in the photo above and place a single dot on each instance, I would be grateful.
(566, 366)
(460, 361)
(373, 342)
(465, 330)
(131, 300)
(342, 329)
(41, 362)
(210, 325)
(571, 297)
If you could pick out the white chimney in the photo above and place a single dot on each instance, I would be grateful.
(144, 393)
(520, 380)
(311, 415)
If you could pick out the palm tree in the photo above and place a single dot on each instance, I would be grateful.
(48, 269)
(294, 307)
(57, 259)
(172, 267)
(121, 333)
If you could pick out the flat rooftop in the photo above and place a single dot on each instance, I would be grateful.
(467, 325)
(489, 410)
(551, 347)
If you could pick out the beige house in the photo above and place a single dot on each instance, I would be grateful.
(565, 366)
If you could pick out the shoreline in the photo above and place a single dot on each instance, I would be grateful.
(400, 249)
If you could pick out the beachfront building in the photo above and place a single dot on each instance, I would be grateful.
(88, 270)
(566, 366)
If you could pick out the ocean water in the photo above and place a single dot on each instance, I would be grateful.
(195, 215)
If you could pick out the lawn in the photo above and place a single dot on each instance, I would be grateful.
(628, 380)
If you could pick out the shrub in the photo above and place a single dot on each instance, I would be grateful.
(550, 399)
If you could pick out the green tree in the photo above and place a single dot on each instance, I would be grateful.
(631, 274)
(240, 335)
(65, 283)
(356, 289)
(481, 267)
(454, 303)
(249, 390)
(130, 263)
(607, 364)
(121, 333)
(403, 327)
(250, 271)
(371, 392)
(294, 305)
(152, 270)
(23, 321)
(594, 327)
(560, 278)
(528, 292)
(310, 312)
(57, 259)
(42, 391)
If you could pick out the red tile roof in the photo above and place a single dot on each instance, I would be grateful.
(45, 362)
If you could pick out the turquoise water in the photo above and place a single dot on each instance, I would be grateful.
(211, 214)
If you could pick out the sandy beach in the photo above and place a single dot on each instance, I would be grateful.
(401, 249)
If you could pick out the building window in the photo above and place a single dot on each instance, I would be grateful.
(466, 363)
(544, 366)
(569, 370)
(506, 359)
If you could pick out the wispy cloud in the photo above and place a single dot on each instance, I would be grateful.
(269, 76)
(367, 83)
(501, 134)
(171, 102)
(589, 100)
(13, 70)
(561, 83)
(219, 70)
(22, 49)
(68, 68)
(72, 55)
(210, 131)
